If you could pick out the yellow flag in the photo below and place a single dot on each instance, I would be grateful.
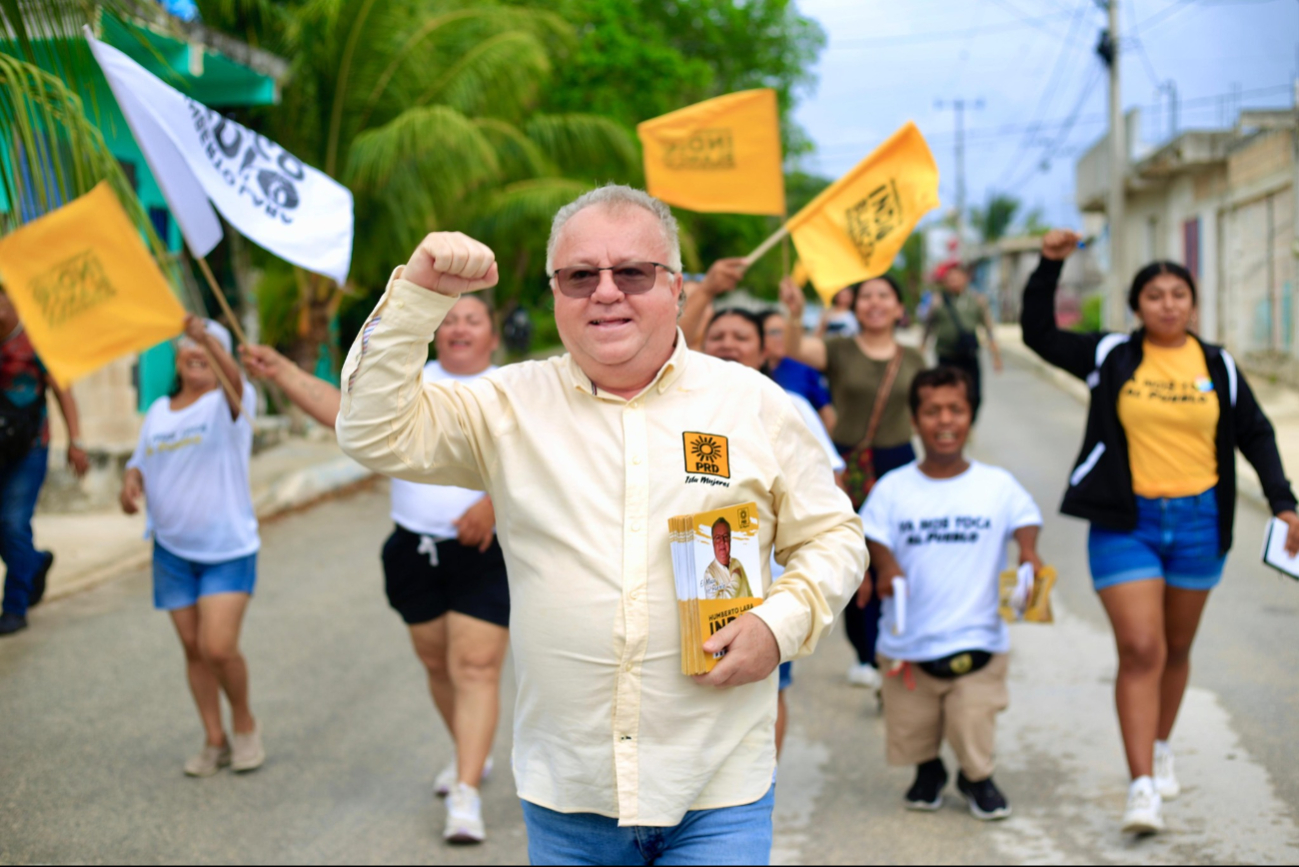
(85, 286)
(855, 228)
(718, 156)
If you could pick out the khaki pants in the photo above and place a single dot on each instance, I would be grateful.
(963, 710)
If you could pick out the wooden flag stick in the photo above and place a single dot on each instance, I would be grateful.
(221, 299)
(765, 246)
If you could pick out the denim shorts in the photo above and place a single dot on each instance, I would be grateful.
(1176, 540)
(178, 583)
(786, 676)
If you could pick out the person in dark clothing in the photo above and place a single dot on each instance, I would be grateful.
(1157, 480)
(25, 449)
(954, 320)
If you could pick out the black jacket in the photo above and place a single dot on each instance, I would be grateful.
(1100, 488)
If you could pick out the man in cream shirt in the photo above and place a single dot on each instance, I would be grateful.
(725, 577)
(618, 757)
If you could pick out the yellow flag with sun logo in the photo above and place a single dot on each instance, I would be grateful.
(85, 286)
(722, 155)
(855, 228)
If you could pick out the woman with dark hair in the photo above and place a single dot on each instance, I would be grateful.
(737, 335)
(1157, 480)
(870, 374)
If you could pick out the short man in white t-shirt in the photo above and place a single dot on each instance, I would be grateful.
(942, 524)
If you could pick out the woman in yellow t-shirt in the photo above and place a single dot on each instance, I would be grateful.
(1157, 480)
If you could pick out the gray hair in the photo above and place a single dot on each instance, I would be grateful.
(617, 197)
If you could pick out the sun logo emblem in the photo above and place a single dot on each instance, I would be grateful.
(706, 449)
(707, 454)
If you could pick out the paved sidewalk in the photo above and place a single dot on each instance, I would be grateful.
(1279, 402)
(92, 547)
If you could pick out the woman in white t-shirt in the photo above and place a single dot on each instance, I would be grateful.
(738, 335)
(191, 465)
(444, 571)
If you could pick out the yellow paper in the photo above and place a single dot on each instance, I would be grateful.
(1038, 609)
(86, 288)
(718, 156)
(856, 227)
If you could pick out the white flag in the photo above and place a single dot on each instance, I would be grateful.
(298, 213)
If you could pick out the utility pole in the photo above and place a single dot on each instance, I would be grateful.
(958, 105)
(1109, 51)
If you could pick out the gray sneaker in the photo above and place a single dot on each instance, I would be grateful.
(208, 762)
(248, 754)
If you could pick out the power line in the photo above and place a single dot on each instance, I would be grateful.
(1053, 83)
(1141, 46)
(1064, 131)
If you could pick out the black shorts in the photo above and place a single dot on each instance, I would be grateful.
(463, 580)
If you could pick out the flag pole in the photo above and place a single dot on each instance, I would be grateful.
(221, 299)
(766, 245)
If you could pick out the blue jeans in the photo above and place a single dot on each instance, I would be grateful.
(1175, 539)
(20, 486)
(729, 835)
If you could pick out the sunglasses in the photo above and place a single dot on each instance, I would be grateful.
(631, 278)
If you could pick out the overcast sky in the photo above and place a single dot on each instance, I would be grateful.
(1033, 64)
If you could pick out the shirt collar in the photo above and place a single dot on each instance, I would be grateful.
(668, 374)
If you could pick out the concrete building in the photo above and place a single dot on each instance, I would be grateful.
(1221, 202)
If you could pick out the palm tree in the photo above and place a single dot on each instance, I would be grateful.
(426, 110)
(51, 150)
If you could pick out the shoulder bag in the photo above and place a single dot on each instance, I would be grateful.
(860, 474)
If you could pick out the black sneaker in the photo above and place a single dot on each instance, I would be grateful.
(38, 582)
(11, 623)
(926, 793)
(985, 799)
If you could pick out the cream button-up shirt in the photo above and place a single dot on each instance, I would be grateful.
(583, 484)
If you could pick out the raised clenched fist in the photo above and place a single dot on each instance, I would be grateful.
(451, 263)
(1059, 244)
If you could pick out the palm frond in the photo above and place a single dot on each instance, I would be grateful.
(448, 152)
(586, 146)
(518, 155)
(499, 77)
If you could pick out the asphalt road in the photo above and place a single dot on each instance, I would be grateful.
(95, 718)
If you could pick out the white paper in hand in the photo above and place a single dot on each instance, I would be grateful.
(1023, 590)
(899, 605)
(1274, 553)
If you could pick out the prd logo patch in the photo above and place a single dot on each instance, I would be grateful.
(874, 218)
(707, 455)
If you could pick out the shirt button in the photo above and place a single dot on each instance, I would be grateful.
(399, 303)
(635, 404)
(636, 459)
(635, 527)
(628, 668)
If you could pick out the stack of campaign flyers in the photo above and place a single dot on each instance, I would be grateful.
(717, 563)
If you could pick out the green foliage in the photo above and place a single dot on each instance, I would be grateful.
(994, 219)
(1093, 307)
(637, 59)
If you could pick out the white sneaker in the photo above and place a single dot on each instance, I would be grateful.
(446, 781)
(1144, 814)
(866, 676)
(1165, 776)
(464, 816)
